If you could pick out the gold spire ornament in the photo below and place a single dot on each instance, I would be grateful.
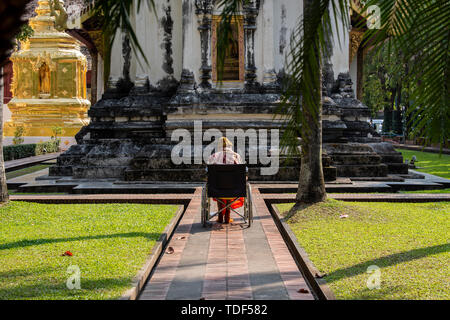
(49, 78)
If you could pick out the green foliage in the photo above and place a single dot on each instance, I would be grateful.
(18, 135)
(109, 243)
(428, 162)
(25, 32)
(407, 241)
(420, 30)
(56, 131)
(384, 82)
(47, 147)
(20, 151)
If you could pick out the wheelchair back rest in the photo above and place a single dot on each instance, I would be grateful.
(226, 180)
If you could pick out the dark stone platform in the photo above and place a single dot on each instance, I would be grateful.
(129, 137)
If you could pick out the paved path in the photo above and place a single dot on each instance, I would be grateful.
(19, 163)
(226, 261)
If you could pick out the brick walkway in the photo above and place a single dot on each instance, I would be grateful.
(226, 261)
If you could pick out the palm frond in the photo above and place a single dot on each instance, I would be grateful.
(420, 29)
(114, 15)
(309, 43)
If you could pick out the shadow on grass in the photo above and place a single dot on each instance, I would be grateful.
(48, 290)
(34, 242)
(385, 292)
(387, 261)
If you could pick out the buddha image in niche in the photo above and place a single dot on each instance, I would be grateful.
(44, 79)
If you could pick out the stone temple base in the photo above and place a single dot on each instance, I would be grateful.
(130, 137)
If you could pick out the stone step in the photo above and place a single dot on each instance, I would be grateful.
(363, 170)
(355, 159)
(286, 173)
(99, 172)
(397, 168)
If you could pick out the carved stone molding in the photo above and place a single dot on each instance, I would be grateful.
(356, 37)
(250, 10)
(204, 6)
(205, 26)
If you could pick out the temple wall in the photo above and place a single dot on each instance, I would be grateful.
(172, 41)
(340, 56)
(286, 14)
(191, 42)
(100, 76)
(160, 37)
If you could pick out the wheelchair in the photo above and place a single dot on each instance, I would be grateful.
(227, 181)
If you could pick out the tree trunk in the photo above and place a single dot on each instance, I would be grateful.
(11, 12)
(3, 187)
(311, 185)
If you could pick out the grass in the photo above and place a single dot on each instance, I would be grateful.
(428, 191)
(409, 242)
(109, 242)
(429, 162)
(24, 171)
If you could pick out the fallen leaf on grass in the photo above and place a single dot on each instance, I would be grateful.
(343, 216)
(67, 253)
(170, 250)
(320, 275)
(303, 291)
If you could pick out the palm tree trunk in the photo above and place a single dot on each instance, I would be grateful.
(4, 197)
(311, 186)
(11, 12)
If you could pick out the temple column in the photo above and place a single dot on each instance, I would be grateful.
(117, 62)
(142, 22)
(204, 13)
(250, 13)
(270, 77)
(187, 81)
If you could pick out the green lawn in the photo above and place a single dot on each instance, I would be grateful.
(24, 171)
(429, 162)
(428, 191)
(109, 242)
(408, 242)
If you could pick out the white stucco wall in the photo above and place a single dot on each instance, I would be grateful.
(286, 15)
(275, 23)
(191, 41)
(100, 76)
(340, 57)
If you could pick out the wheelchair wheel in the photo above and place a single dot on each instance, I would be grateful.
(204, 208)
(249, 203)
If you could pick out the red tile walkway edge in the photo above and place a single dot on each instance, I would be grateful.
(366, 197)
(106, 198)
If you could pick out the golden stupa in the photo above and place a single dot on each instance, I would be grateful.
(49, 78)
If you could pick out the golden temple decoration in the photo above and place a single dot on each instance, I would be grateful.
(49, 78)
(357, 6)
(239, 23)
(60, 17)
(356, 38)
